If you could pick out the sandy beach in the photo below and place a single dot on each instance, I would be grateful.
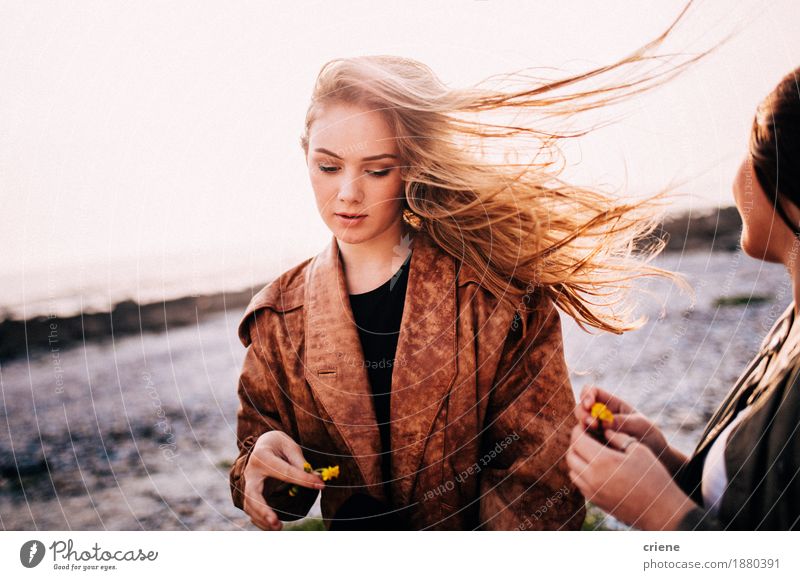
(138, 432)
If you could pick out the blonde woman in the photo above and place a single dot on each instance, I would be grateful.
(420, 352)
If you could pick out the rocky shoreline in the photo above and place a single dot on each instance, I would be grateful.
(717, 230)
(42, 334)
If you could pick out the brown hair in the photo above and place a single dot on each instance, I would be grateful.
(775, 145)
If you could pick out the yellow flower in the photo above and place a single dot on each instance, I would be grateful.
(325, 472)
(329, 472)
(601, 412)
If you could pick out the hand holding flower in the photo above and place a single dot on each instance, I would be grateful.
(604, 417)
(275, 458)
(625, 479)
(326, 473)
(600, 410)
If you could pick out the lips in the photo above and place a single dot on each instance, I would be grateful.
(351, 215)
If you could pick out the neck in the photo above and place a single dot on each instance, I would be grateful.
(378, 254)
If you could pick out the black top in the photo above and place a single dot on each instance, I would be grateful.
(377, 316)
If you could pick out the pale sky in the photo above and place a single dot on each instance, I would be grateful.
(147, 129)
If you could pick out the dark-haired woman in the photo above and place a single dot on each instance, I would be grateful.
(745, 472)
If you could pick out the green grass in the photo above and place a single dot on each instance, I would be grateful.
(305, 525)
(741, 300)
(595, 520)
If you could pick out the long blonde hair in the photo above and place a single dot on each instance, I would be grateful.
(518, 225)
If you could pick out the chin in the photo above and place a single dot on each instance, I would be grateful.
(349, 236)
(747, 247)
(758, 251)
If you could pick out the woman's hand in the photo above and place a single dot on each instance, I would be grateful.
(625, 479)
(629, 421)
(276, 456)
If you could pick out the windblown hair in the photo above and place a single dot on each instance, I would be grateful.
(517, 224)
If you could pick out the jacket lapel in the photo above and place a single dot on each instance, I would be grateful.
(776, 344)
(423, 372)
(425, 360)
(334, 366)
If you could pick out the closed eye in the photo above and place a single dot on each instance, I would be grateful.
(333, 169)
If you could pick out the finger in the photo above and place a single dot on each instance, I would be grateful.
(576, 432)
(583, 486)
(619, 440)
(254, 502)
(268, 514)
(587, 447)
(576, 463)
(588, 395)
(256, 506)
(261, 523)
(581, 413)
(270, 526)
(633, 424)
(579, 482)
(614, 403)
(294, 456)
(593, 394)
(257, 523)
(590, 422)
(285, 471)
(267, 525)
(264, 519)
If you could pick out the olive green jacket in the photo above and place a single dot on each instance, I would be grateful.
(762, 455)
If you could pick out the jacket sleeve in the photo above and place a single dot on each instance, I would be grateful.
(763, 454)
(698, 519)
(527, 430)
(259, 391)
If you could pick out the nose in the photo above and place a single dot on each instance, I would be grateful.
(350, 190)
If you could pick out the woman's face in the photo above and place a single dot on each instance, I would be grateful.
(353, 162)
(764, 234)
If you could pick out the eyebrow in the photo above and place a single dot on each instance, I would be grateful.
(370, 158)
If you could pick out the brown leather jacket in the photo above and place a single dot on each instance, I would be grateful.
(481, 414)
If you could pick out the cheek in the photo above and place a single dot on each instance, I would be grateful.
(324, 192)
(388, 193)
(745, 202)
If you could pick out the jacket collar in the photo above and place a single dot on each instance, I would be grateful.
(424, 369)
(778, 351)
